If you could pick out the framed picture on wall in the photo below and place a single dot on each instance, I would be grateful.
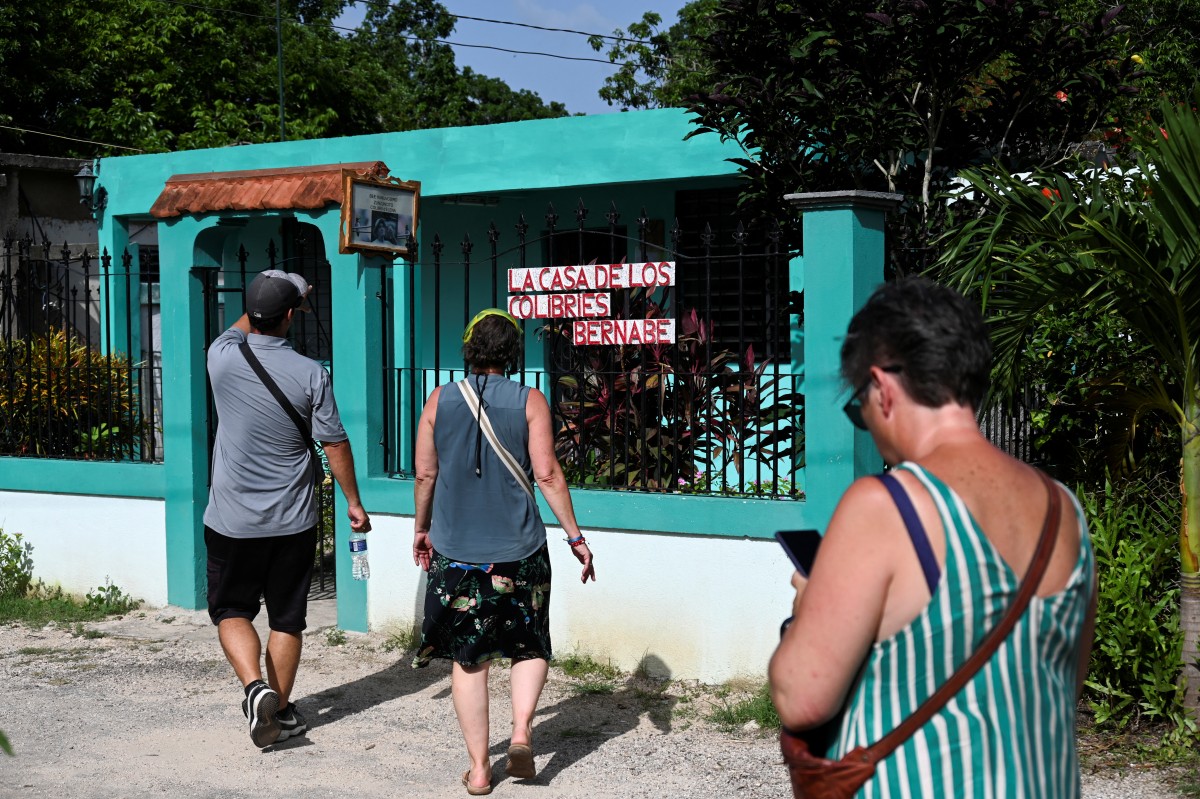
(377, 214)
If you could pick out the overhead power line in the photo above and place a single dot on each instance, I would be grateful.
(71, 138)
(553, 30)
(517, 24)
(446, 42)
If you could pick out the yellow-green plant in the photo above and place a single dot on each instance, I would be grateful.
(61, 398)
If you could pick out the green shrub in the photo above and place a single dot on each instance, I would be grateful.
(45, 604)
(1134, 671)
(60, 398)
(109, 600)
(16, 565)
(581, 666)
(758, 708)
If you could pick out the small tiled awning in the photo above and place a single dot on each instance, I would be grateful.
(305, 187)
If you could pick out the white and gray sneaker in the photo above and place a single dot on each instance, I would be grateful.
(291, 723)
(260, 707)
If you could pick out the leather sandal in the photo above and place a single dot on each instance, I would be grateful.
(471, 789)
(520, 762)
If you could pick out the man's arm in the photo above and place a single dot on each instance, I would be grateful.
(341, 464)
(243, 324)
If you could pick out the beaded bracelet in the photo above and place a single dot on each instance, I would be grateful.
(576, 541)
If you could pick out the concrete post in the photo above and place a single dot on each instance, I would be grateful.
(185, 435)
(357, 385)
(843, 264)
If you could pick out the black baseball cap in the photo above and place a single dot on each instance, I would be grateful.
(273, 293)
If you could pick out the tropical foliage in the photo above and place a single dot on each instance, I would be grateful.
(1125, 245)
(61, 398)
(898, 95)
(1133, 676)
(161, 76)
(673, 418)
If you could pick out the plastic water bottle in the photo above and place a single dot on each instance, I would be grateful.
(359, 567)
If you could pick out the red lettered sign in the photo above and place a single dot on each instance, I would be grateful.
(560, 306)
(591, 277)
(623, 331)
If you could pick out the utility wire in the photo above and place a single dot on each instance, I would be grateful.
(419, 39)
(516, 24)
(552, 30)
(69, 138)
(353, 30)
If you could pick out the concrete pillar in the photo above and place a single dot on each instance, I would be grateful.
(843, 263)
(355, 281)
(185, 244)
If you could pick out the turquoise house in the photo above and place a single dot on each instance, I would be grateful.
(690, 581)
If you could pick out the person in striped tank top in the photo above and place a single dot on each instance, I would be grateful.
(885, 617)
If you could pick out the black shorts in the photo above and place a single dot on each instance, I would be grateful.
(278, 569)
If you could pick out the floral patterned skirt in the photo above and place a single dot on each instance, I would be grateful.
(479, 612)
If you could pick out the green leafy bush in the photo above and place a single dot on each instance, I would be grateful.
(1092, 378)
(109, 600)
(60, 398)
(1134, 671)
(757, 707)
(45, 604)
(16, 565)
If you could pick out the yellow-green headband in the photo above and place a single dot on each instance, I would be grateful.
(486, 312)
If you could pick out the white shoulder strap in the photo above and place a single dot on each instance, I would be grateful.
(485, 424)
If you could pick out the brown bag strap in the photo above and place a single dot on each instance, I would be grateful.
(990, 643)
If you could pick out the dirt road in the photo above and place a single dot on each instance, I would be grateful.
(152, 709)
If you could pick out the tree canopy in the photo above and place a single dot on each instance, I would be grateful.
(897, 95)
(160, 75)
(658, 69)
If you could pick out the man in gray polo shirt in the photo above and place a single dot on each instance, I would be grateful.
(260, 526)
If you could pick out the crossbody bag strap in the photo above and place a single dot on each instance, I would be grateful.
(489, 433)
(284, 403)
(990, 643)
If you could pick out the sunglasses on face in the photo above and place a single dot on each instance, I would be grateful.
(853, 406)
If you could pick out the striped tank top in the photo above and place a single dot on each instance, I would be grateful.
(1010, 732)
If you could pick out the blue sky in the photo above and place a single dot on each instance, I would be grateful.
(573, 83)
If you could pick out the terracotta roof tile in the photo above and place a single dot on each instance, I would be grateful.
(258, 190)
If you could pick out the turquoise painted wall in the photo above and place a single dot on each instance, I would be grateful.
(637, 159)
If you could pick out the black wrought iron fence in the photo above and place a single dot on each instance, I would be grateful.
(1009, 426)
(80, 372)
(718, 411)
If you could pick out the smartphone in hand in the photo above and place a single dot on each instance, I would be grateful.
(801, 547)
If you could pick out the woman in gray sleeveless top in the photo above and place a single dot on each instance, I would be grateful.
(479, 535)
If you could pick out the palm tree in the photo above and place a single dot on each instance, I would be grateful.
(1126, 244)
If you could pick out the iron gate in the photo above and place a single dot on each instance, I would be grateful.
(311, 335)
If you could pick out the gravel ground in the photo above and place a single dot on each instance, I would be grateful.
(151, 708)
